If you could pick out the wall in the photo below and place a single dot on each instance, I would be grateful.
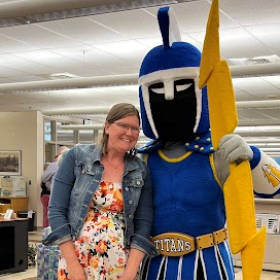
(24, 131)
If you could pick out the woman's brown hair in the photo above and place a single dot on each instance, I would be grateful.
(117, 112)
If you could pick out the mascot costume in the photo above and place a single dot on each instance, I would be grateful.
(202, 178)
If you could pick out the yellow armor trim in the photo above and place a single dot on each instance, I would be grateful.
(211, 159)
(174, 160)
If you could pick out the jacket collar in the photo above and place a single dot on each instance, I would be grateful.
(130, 164)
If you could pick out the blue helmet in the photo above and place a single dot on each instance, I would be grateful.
(172, 106)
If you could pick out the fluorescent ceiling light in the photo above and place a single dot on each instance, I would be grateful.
(267, 144)
(270, 149)
(264, 128)
(262, 140)
(28, 11)
(64, 75)
(255, 60)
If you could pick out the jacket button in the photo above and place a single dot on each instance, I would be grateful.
(138, 183)
(130, 216)
(130, 202)
(127, 189)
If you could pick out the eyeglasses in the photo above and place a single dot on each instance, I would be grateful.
(126, 127)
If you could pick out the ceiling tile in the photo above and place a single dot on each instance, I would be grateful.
(103, 59)
(84, 30)
(128, 50)
(241, 95)
(35, 35)
(90, 73)
(248, 13)
(11, 45)
(251, 114)
(125, 70)
(5, 81)
(252, 85)
(134, 24)
(50, 59)
(273, 80)
(24, 65)
(272, 113)
(193, 16)
(28, 78)
(8, 72)
(268, 35)
(232, 40)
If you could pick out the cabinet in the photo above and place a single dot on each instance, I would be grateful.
(271, 259)
(18, 203)
(13, 245)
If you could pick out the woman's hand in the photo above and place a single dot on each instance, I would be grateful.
(74, 268)
(126, 277)
(133, 263)
(76, 272)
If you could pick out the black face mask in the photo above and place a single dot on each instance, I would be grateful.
(174, 119)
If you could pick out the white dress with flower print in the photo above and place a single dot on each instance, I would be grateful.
(100, 243)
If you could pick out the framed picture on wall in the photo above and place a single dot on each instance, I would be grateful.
(10, 163)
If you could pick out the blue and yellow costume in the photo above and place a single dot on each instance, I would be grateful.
(190, 204)
(185, 187)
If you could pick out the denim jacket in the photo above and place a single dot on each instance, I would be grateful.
(75, 183)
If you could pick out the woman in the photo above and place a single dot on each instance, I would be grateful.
(101, 205)
(47, 180)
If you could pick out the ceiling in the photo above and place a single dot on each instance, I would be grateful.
(82, 62)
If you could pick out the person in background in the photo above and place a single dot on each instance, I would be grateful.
(46, 179)
(62, 155)
(101, 210)
(46, 184)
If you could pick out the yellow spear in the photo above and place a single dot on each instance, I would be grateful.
(238, 189)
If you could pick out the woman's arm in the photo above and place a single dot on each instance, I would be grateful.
(143, 219)
(133, 263)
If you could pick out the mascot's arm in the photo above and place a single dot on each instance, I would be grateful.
(232, 149)
(265, 174)
(265, 170)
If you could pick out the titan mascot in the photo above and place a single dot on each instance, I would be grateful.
(201, 181)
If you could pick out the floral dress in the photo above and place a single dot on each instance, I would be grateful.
(100, 243)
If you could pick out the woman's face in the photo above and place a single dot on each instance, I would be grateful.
(122, 134)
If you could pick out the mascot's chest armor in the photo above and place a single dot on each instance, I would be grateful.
(188, 200)
(187, 197)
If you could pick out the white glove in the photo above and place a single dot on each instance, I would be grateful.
(233, 148)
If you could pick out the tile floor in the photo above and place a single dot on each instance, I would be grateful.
(35, 236)
(266, 275)
(31, 272)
